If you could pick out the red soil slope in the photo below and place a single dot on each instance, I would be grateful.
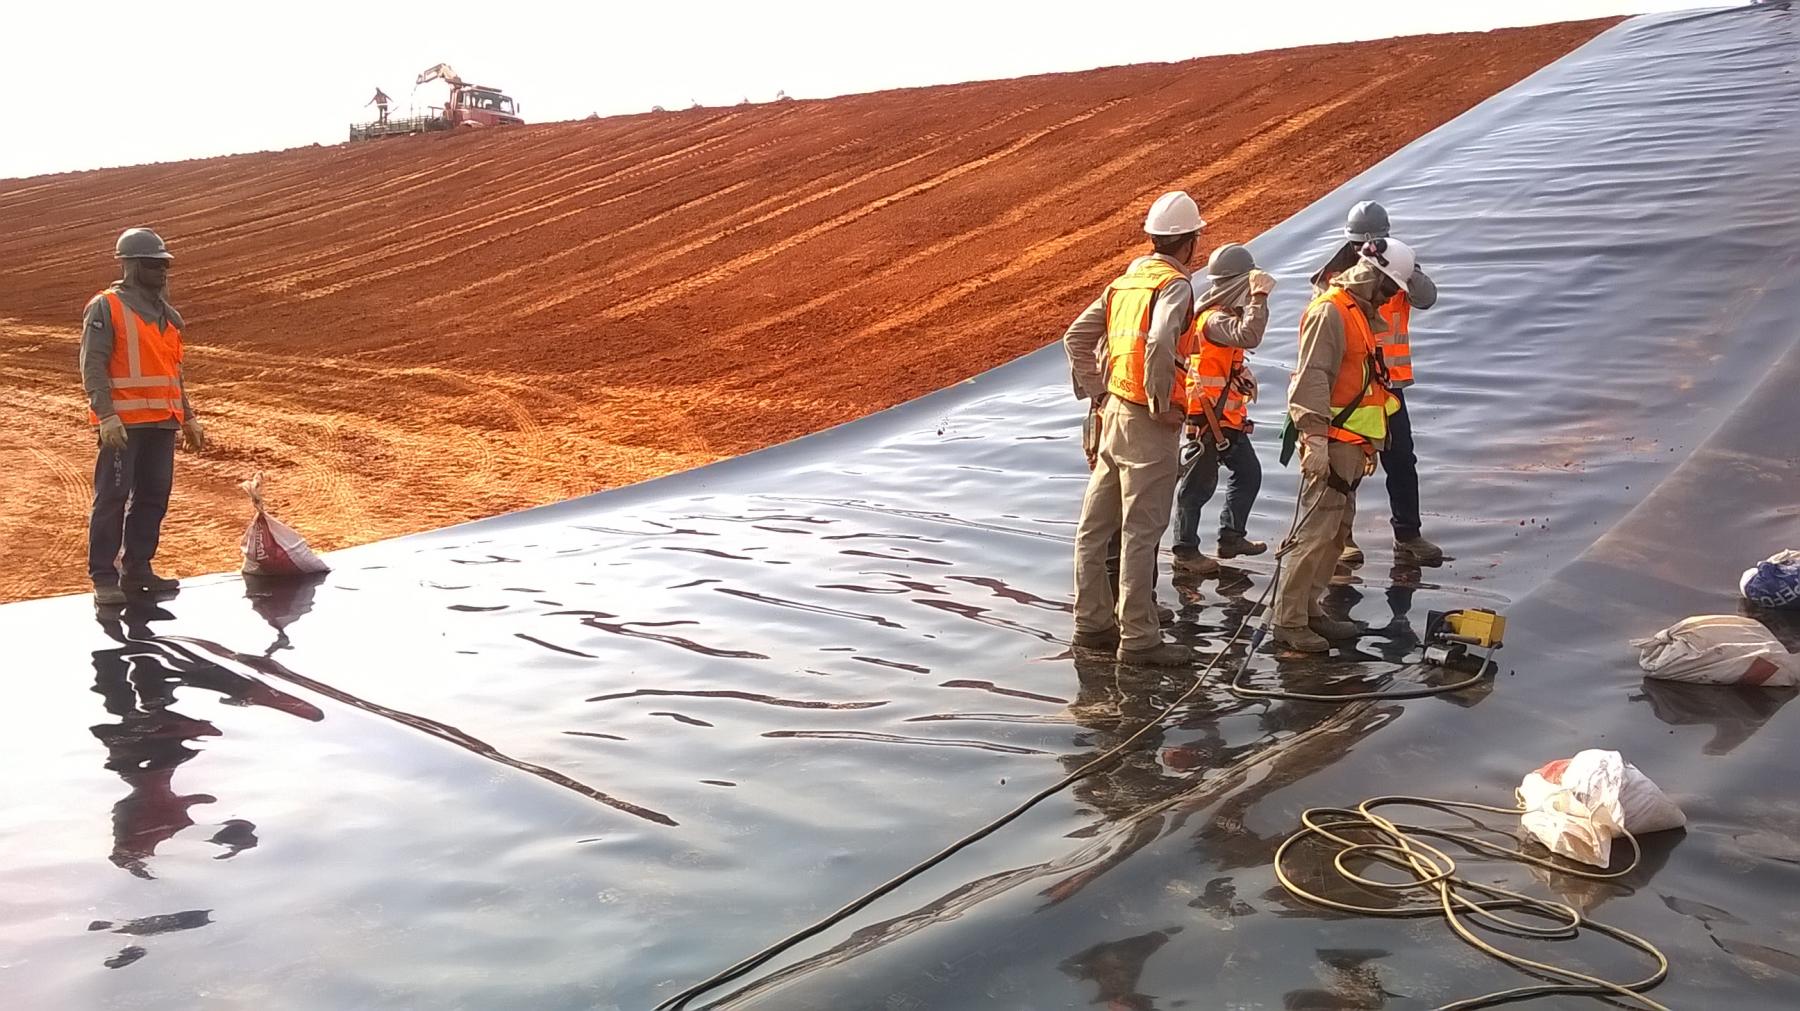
(416, 332)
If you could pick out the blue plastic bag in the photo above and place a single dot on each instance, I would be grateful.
(1774, 583)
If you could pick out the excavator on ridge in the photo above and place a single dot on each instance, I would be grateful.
(469, 106)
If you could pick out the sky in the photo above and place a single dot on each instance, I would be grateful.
(115, 83)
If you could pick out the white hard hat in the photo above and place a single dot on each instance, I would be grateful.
(1174, 213)
(1392, 257)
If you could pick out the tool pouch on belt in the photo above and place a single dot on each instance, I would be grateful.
(1090, 435)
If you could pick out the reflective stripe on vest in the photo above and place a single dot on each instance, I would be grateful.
(1130, 302)
(1212, 367)
(1396, 346)
(1359, 377)
(144, 370)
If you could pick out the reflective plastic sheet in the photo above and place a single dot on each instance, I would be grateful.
(581, 756)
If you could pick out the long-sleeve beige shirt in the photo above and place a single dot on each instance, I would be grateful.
(97, 339)
(1239, 330)
(1322, 341)
(1085, 340)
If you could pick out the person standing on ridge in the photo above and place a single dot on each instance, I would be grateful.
(131, 370)
(1228, 321)
(380, 102)
(1367, 222)
(1146, 318)
(1339, 405)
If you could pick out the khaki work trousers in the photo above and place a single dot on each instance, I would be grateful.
(1130, 495)
(1327, 516)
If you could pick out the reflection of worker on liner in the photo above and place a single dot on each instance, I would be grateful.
(131, 370)
(1367, 222)
(1146, 315)
(380, 102)
(1338, 405)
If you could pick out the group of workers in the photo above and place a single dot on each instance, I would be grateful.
(1155, 360)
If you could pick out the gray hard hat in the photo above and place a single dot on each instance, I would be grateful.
(1230, 260)
(1368, 220)
(141, 244)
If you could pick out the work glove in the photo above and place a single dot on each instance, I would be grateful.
(1261, 282)
(1315, 457)
(1368, 464)
(112, 432)
(194, 434)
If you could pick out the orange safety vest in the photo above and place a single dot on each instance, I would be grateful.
(1360, 383)
(1213, 371)
(145, 367)
(1396, 349)
(1129, 301)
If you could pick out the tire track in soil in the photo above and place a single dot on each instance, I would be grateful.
(662, 296)
(717, 229)
(1250, 152)
(383, 245)
(785, 203)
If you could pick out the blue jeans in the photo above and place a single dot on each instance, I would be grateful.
(1200, 478)
(131, 495)
(1402, 467)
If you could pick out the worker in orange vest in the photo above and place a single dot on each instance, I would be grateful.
(131, 370)
(380, 102)
(1340, 405)
(1367, 222)
(1228, 320)
(1146, 317)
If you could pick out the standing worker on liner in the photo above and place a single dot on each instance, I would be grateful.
(131, 370)
(1146, 317)
(1340, 405)
(1367, 222)
(1228, 321)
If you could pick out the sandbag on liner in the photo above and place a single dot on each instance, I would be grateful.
(1718, 649)
(271, 547)
(1577, 806)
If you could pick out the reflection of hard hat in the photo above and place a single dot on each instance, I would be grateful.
(1230, 260)
(1392, 257)
(141, 244)
(1368, 220)
(1174, 213)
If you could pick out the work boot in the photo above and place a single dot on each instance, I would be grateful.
(1418, 551)
(1167, 654)
(1100, 642)
(1336, 629)
(1190, 562)
(148, 582)
(1303, 640)
(1233, 545)
(108, 594)
(1351, 555)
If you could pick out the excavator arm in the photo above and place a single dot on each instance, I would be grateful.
(441, 72)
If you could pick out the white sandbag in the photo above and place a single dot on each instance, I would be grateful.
(1718, 649)
(1577, 806)
(271, 547)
